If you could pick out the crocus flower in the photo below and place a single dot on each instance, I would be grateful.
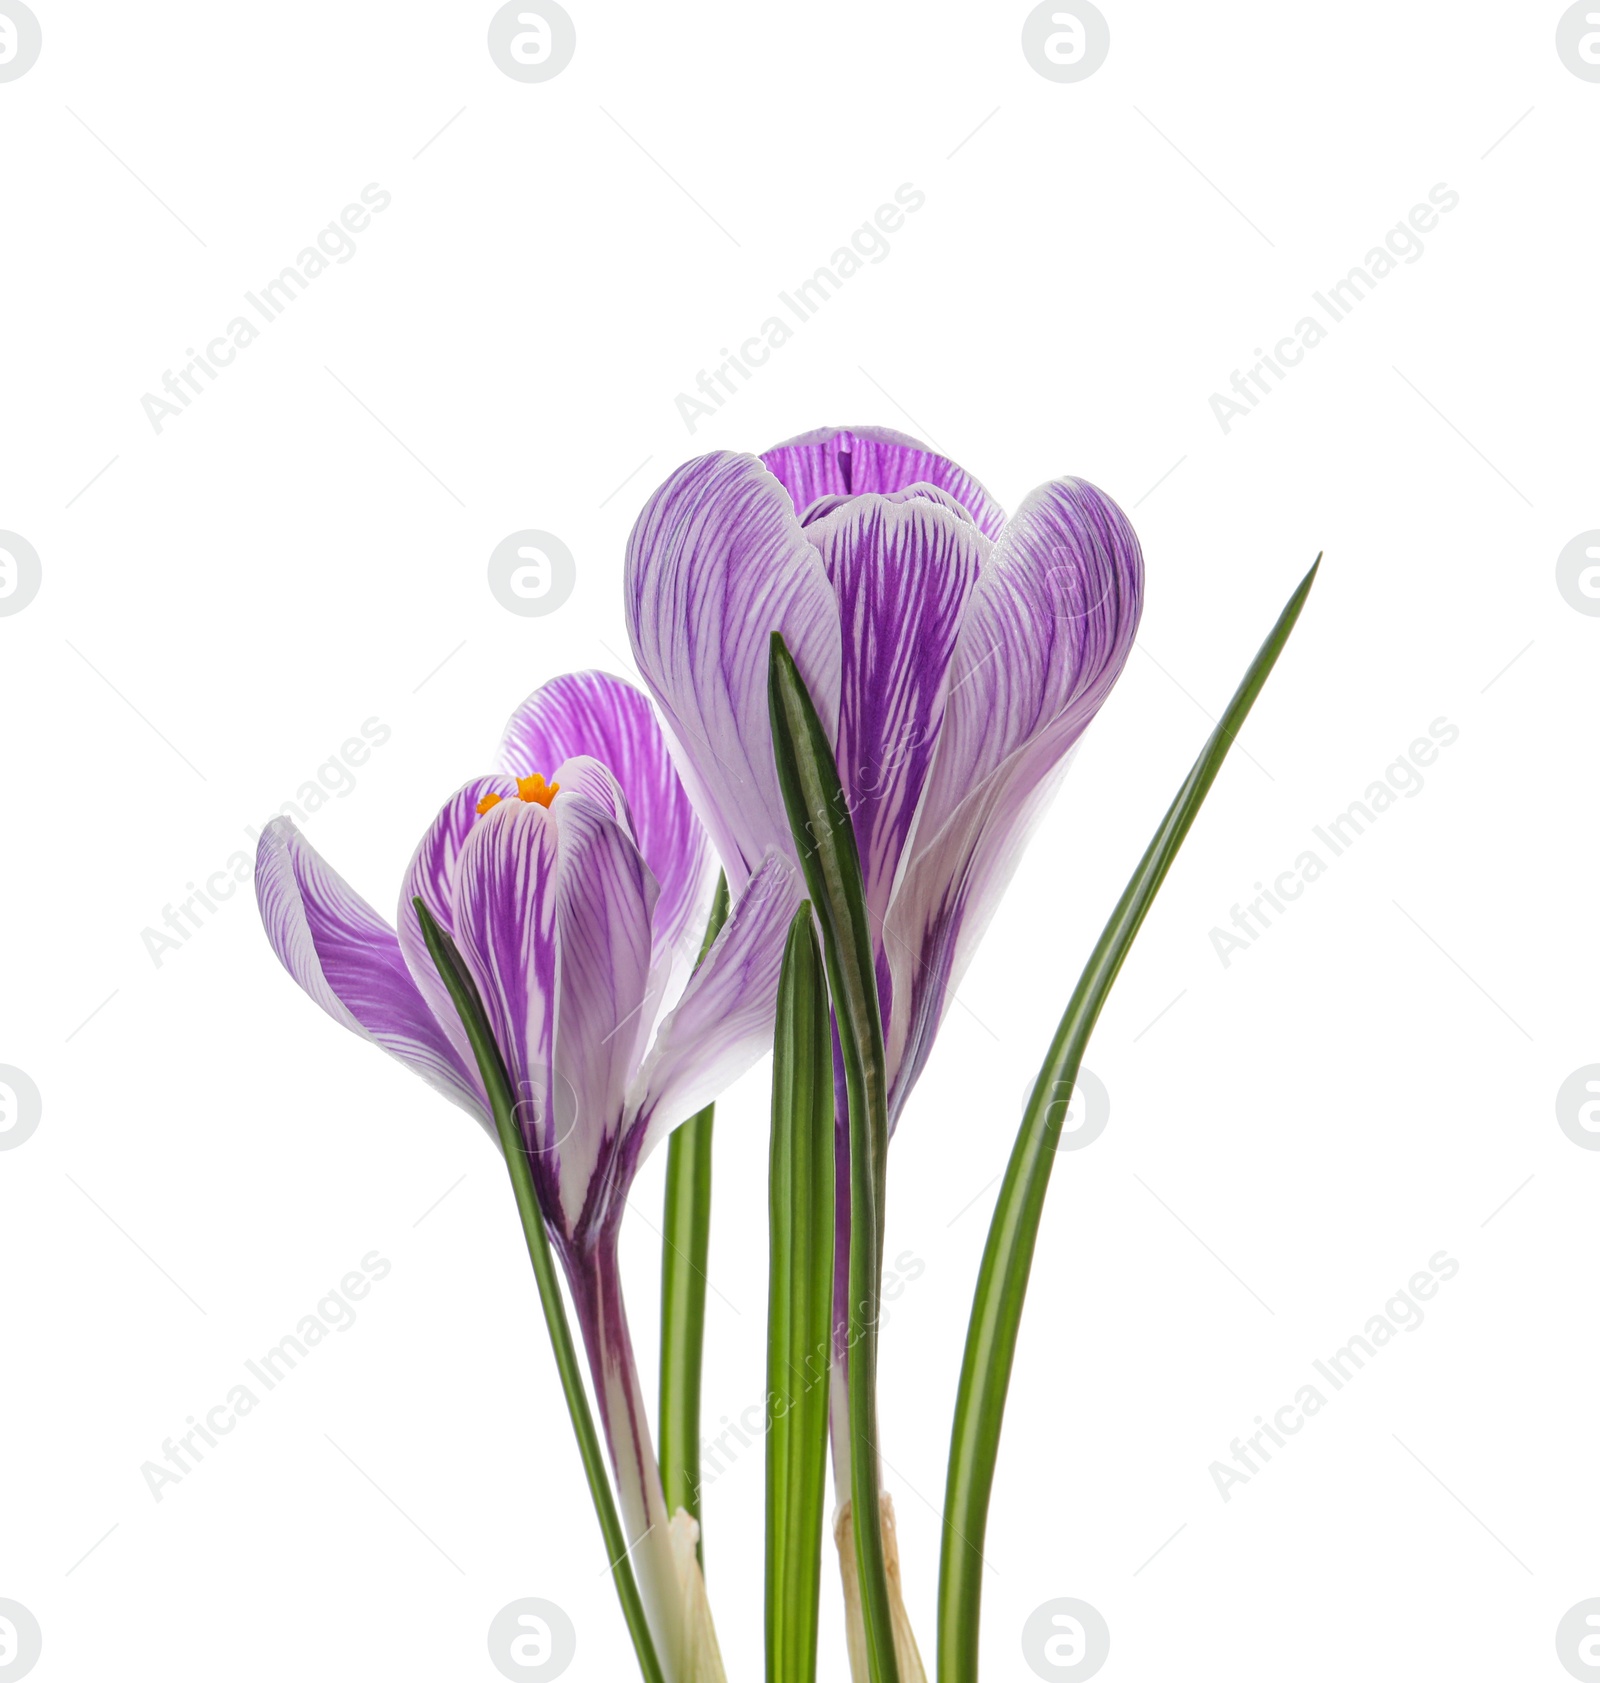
(573, 883)
(955, 657)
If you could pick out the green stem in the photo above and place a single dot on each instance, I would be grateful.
(1008, 1254)
(685, 1243)
(497, 1084)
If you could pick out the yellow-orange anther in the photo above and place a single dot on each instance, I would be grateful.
(532, 789)
(535, 789)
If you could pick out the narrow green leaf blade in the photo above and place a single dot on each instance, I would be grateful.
(1008, 1254)
(685, 1244)
(824, 838)
(497, 1083)
(800, 1195)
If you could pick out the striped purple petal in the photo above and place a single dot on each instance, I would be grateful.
(349, 961)
(428, 878)
(502, 913)
(850, 461)
(1050, 626)
(605, 902)
(674, 942)
(552, 911)
(723, 1022)
(600, 717)
(589, 780)
(716, 563)
(903, 568)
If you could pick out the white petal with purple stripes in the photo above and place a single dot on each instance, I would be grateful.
(605, 898)
(502, 911)
(852, 461)
(903, 568)
(349, 961)
(716, 563)
(1050, 625)
(600, 717)
(428, 878)
(723, 1022)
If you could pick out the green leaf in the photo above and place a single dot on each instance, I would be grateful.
(824, 838)
(800, 1194)
(685, 1241)
(1008, 1254)
(497, 1083)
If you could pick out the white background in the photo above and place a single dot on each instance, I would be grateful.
(1292, 1136)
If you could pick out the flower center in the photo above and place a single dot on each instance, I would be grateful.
(533, 789)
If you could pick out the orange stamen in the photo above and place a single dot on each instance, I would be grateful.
(536, 790)
(533, 789)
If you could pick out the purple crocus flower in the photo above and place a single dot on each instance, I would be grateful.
(955, 657)
(576, 904)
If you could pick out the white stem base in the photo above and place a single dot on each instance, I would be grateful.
(699, 1657)
(905, 1643)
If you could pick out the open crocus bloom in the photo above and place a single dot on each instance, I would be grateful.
(955, 658)
(576, 904)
